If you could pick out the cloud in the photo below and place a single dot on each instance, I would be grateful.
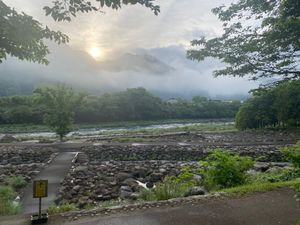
(133, 29)
(164, 71)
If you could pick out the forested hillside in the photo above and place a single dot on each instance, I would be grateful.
(132, 104)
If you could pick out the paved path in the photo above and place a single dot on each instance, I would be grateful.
(54, 173)
(271, 208)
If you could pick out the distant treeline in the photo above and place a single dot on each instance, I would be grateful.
(129, 105)
(277, 106)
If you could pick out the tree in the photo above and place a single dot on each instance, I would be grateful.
(23, 37)
(273, 106)
(60, 103)
(261, 39)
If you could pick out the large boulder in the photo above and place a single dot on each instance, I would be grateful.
(197, 190)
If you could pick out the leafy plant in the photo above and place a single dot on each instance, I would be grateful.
(278, 176)
(7, 205)
(292, 154)
(172, 186)
(223, 169)
(16, 182)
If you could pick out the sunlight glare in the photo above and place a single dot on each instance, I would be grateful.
(95, 52)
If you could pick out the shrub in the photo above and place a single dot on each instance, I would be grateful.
(16, 182)
(172, 186)
(54, 209)
(7, 204)
(223, 169)
(278, 176)
(297, 190)
(292, 154)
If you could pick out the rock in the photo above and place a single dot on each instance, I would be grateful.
(81, 169)
(76, 188)
(197, 190)
(155, 177)
(8, 139)
(261, 166)
(126, 188)
(149, 185)
(126, 192)
(123, 176)
(197, 178)
(130, 182)
(162, 170)
(274, 169)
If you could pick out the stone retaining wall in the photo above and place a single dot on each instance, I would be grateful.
(140, 206)
(174, 152)
(16, 155)
(89, 184)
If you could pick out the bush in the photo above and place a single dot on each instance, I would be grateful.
(278, 176)
(7, 205)
(54, 209)
(171, 187)
(16, 182)
(223, 169)
(292, 154)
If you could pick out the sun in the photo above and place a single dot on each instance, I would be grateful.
(95, 52)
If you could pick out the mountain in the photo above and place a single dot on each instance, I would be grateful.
(137, 63)
(164, 71)
(76, 68)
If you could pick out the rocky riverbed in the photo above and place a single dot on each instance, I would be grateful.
(23, 161)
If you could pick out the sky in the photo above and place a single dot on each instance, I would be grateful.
(137, 31)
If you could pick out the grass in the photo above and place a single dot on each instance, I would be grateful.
(109, 203)
(54, 209)
(260, 187)
(7, 204)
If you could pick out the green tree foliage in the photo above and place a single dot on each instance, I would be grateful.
(66, 9)
(24, 37)
(223, 169)
(130, 105)
(60, 103)
(270, 107)
(261, 38)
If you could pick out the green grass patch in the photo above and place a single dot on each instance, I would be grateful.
(260, 187)
(109, 203)
(56, 209)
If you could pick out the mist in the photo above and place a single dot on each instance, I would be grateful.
(163, 71)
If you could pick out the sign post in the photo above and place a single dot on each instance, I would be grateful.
(40, 190)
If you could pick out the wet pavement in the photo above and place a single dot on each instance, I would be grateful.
(275, 207)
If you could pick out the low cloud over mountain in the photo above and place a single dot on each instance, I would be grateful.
(164, 71)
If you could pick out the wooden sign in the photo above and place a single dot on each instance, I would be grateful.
(40, 188)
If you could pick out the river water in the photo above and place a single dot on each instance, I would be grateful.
(102, 131)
